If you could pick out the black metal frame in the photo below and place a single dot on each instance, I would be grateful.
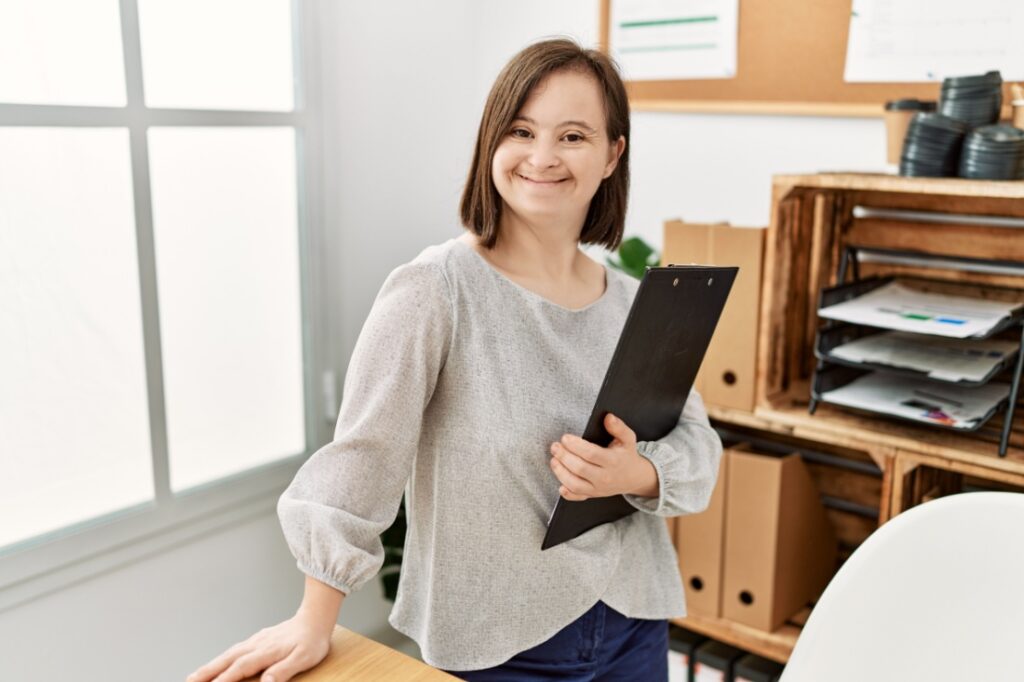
(849, 262)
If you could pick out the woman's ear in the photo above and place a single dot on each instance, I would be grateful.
(614, 153)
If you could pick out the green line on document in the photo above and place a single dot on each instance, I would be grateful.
(668, 22)
(668, 48)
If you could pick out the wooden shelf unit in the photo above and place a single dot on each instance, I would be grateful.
(776, 646)
(812, 220)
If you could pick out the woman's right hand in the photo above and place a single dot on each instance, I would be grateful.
(283, 651)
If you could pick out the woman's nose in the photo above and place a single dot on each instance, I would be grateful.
(542, 154)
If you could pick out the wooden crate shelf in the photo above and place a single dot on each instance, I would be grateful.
(898, 184)
(776, 646)
(812, 221)
(880, 438)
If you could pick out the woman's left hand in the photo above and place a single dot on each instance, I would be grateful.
(587, 470)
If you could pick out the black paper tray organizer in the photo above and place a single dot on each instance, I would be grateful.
(831, 378)
(847, 292)
(832, 372)
(834, 335)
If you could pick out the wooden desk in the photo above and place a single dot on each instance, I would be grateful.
(355, 658)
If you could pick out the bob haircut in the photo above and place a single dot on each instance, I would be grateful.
(480, 208)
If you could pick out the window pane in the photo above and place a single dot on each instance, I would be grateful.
(226, 230)
(217, 54)
(61, 52)
(74, 425)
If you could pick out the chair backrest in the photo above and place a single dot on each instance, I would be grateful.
(935, 594)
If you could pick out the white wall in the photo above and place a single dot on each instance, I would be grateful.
(398, 108)
(400, 128)
(698, 167)
(404, 85)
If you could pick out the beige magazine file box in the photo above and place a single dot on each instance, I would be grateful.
(726, 376)
(780, 547)
(699, 542)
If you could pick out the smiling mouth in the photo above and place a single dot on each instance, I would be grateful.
(540, 182)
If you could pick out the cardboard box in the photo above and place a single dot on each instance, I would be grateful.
(726, 376)
(700, 539)
(780, 548)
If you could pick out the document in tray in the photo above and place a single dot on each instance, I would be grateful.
(945, 359)
(895, 306)
(920, 399)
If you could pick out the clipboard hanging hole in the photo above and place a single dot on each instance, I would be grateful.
(710, 280)
(746, 597)
(729, 378)
(696, 583)
(675, 281)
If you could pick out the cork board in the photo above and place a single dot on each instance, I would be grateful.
(790, 60)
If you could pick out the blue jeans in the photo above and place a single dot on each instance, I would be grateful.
(601, 645)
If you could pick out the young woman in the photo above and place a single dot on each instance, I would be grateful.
(478, 362)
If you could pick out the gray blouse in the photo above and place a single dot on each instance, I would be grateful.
(458, 383)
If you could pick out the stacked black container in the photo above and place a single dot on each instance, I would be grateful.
(975, 100)
(962, 138)
(993, 152)
(932, 146)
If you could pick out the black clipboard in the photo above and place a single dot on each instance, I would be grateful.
(661, 347)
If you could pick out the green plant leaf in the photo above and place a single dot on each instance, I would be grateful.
(635, 256)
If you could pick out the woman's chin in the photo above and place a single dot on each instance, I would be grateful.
(538, 211)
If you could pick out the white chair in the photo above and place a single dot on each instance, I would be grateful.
(935, 594)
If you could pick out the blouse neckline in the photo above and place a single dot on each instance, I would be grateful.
(529, 293)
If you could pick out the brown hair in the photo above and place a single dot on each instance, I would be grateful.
(480, 208)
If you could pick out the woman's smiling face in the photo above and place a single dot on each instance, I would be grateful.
(552, 160)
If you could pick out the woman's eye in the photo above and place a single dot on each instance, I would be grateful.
(573, 137)
(519, 132)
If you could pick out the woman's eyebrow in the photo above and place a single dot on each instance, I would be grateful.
(563, 124)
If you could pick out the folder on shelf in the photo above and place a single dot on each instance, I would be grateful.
(726, 377)
(699, 543)
(714, 661)
(780, 547)
(661, 346)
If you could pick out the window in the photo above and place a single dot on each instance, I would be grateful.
(157, 180)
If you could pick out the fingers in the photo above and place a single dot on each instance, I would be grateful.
(592, 454)
(564, 492)
(248, 665)
(619, 430)
(241, 661)
(219, 664)
(574, 463)
(279, 652)
(572, 483)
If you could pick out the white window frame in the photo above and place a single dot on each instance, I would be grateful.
(55, 560)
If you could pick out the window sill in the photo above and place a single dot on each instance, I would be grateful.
(53, 562)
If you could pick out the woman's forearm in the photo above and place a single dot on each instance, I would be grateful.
(321, 604)
(648, 486)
